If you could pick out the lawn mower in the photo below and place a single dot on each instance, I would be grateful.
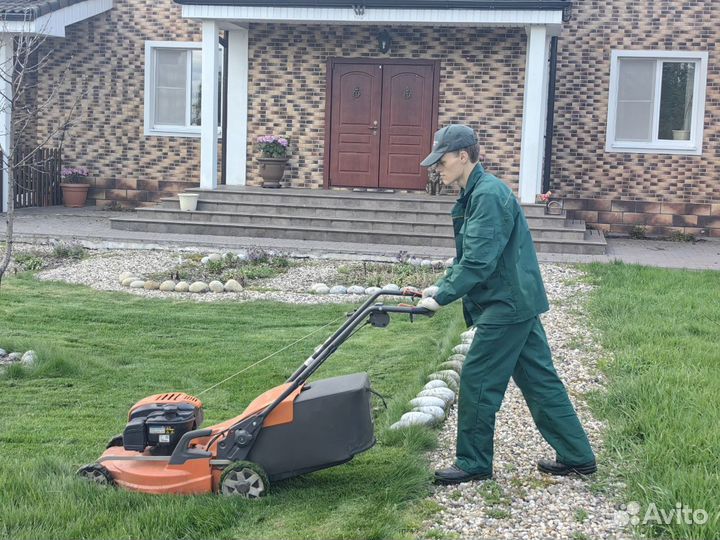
(292, 429)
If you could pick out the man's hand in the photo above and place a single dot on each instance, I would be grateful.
(429, 303)
(429, 292)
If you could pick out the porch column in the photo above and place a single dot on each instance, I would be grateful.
(534, 113)
(6, 90)
(237, 107)
(209, 103)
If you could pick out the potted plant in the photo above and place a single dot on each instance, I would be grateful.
(273, 158)
(74, 186)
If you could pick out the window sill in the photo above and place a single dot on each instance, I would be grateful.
(195, 133)
(667, 150)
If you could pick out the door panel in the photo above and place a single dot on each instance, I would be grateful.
(406, 125)
(355, 117)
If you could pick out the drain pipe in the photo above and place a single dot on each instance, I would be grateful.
(550, 123)
(225, 42)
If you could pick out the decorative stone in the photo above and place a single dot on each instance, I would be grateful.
(445, 394)
(467, 340)
(426, 263)
(205, 260)
(435, 383)
(438, 413)
(128, 280)
(356, 289)
(470, 334)
(215, 257)
(124, 276)
(198, 287)
(322, 289)
(391, 287)
(372, 290)
(416, 419)
(456, 358)
(167, 286)
(451, 383)
(29, 358)
(14, 356)
(454, 365)
(182, 286)
(413, 261)
(233, 286)
(3, 352)
(315, 286)
(428, 401)
(138, 284)
(216, 286)
(152, 285)
(338, 289)
(449, 262)
(463, 348)
(437, 263)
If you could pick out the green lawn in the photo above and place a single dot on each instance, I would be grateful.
(101, 352)
(663, 404)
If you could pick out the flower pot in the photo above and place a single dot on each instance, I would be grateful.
(74, 195)
(681, 134)
(272, 170)
(188, 201)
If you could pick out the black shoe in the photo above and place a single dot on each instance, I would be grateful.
(455, 475)
(548, 466)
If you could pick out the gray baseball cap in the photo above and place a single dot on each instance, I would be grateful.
(449, 139)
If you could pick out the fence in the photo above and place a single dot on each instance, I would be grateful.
(37, 180)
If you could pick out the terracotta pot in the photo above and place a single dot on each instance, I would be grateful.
(74, 195)
(272, 170)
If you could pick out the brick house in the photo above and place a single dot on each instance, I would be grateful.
(358, 88)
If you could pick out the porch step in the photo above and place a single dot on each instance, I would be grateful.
(342, 216)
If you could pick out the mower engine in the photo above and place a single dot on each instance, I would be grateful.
(160, 421)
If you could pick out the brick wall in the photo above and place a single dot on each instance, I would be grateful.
(616, 191)
(481, 84)
(107, 136)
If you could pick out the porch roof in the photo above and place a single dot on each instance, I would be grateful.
(413, 4)
(48, 17)
(27, 10)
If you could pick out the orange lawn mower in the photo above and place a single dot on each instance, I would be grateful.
(292, 429)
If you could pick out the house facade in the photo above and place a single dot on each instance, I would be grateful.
(358, 90)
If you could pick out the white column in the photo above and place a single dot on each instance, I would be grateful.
(534, 114)
(209, 115)
(237, 107)
(6, 89)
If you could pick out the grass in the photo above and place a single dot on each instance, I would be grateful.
(101, 352)
(662, 405)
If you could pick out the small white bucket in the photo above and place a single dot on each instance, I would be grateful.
(188, 201)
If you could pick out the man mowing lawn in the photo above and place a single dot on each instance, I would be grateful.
(497, 276)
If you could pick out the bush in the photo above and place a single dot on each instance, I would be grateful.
(69, 251)
(29, 261)
(638, 232)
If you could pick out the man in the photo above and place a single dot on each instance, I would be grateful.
(497, 276)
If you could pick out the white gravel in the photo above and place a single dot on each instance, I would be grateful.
(520, 502)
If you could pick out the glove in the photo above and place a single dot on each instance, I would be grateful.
(430, 291)
(429, 303)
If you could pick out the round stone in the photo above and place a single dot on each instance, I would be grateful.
(438, 264)
(198, 287)
(315, 286)
(449, 262)
(167, 286)
(152, 285)
(435, 383)
(456, 358)
(454, 365)
(14, 357)
(182, 286)
(413, 261)
(463, 348)
(428, 401)
(426, 263)
(372, 290)
(215, 257)
(216, 286)
(356, 289)
(445, 394)
(233, 286)
(322, 289)
(338, 289)
(470, 334)
(128, 280)
(205, 260)
(451, 383)
(3, 352)
(125, 275)
(391, 287)
(438, 413)
(417, 419)
(138, 284)
(29, 358)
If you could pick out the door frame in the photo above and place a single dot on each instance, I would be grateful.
(330, 65)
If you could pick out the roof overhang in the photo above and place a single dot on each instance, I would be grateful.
(51, 23)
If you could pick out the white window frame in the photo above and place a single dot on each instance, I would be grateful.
(691, 147)
(151, 129)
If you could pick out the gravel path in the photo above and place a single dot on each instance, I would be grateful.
(520, 502)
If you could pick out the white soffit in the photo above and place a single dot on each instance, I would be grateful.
(54, 23)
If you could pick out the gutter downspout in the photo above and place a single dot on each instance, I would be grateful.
(224, 41)
(550, 124)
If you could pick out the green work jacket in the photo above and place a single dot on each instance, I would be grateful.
(495, 272)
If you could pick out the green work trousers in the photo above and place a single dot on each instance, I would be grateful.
(520, 351)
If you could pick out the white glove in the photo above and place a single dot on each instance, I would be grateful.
(430, 291)
(429, 303)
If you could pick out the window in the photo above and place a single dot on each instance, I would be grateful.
(173, 88)
(657, 102)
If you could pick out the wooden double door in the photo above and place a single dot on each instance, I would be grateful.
(382, 118)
